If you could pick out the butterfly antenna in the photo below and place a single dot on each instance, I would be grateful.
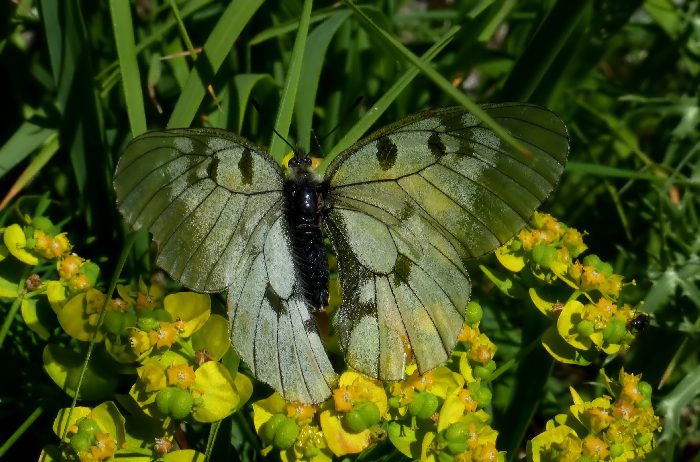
(355, 105)
(256, 106)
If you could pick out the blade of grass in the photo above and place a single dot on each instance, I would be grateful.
(314, 56)
(290, 26)
(543, 48)
(45, 154)
(278, 144)
(437, 79)
(183, 30)
(28, 137)
(244, 84)
(362, 125)
(227, 29)
(122, 25)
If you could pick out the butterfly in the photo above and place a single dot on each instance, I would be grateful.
(403, 209)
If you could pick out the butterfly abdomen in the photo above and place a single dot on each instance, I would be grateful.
(303, 207)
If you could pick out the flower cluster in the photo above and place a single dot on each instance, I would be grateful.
(438, 415)
(614, 429)
(545, 258)
(173, 343)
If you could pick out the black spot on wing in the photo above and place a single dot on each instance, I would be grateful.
(402, 269)
(275, 301)
(212, 168)
(245, 165)
(386, 153)
(436, 146)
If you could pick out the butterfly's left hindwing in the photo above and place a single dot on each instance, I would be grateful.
(214, 204)
(409, 204)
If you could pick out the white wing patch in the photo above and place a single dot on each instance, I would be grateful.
(271, 327)
(202, 194)
(445, 189)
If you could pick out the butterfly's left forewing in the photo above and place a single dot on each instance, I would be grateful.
(409, 204)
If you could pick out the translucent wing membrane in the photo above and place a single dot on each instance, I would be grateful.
(432, 190)
(214, 204)
(404, 208)
(202, 194)
(272, 328)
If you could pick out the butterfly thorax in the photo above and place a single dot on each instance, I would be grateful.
(304, 195)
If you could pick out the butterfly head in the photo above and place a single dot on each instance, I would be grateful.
(301, 166)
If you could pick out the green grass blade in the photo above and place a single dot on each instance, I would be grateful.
(314, 56)
(122, 25)
(362, 125)
(45, 154)
(278, 146)
(244, 84)
(227, 29)
(543, 48)
(28, 137)
(439, 80)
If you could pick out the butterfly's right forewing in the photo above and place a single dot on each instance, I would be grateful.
(214, 204)
(202, 193)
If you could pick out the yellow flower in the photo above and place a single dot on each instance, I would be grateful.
(573, 240)
(139, 341)
(465, 395)
(421, 382)
(481, 353)
(79, 283)
(152, 375)
(591, 278)
(181, 375)
(69, 267)
(63, 244)
(624, 409)
(592, 446)
(300, 411)
(598, 418)
(164, 336)
(118, 304)
(104, 448)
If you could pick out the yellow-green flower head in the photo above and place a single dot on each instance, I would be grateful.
(181, 375)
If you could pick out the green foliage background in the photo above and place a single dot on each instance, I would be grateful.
(79, 79)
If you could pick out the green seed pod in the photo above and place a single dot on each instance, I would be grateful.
(617, 449)
(354, 421)
(81, 442)
(180, 404)
(163, 398)
(286, 434)
(268, 430)
(585, 328)
(482, 395)
(458, 431)
(645, 389)
(424, 405)
(362, 416)
(544, 255)
(474, 313)
(643, 439)
(88, 427)
(146, 323)
(615, 331)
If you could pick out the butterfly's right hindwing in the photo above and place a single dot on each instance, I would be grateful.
(271, 325)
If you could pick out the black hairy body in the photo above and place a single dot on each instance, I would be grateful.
(304, 207)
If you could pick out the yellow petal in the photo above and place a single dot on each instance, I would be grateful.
(16, 241)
